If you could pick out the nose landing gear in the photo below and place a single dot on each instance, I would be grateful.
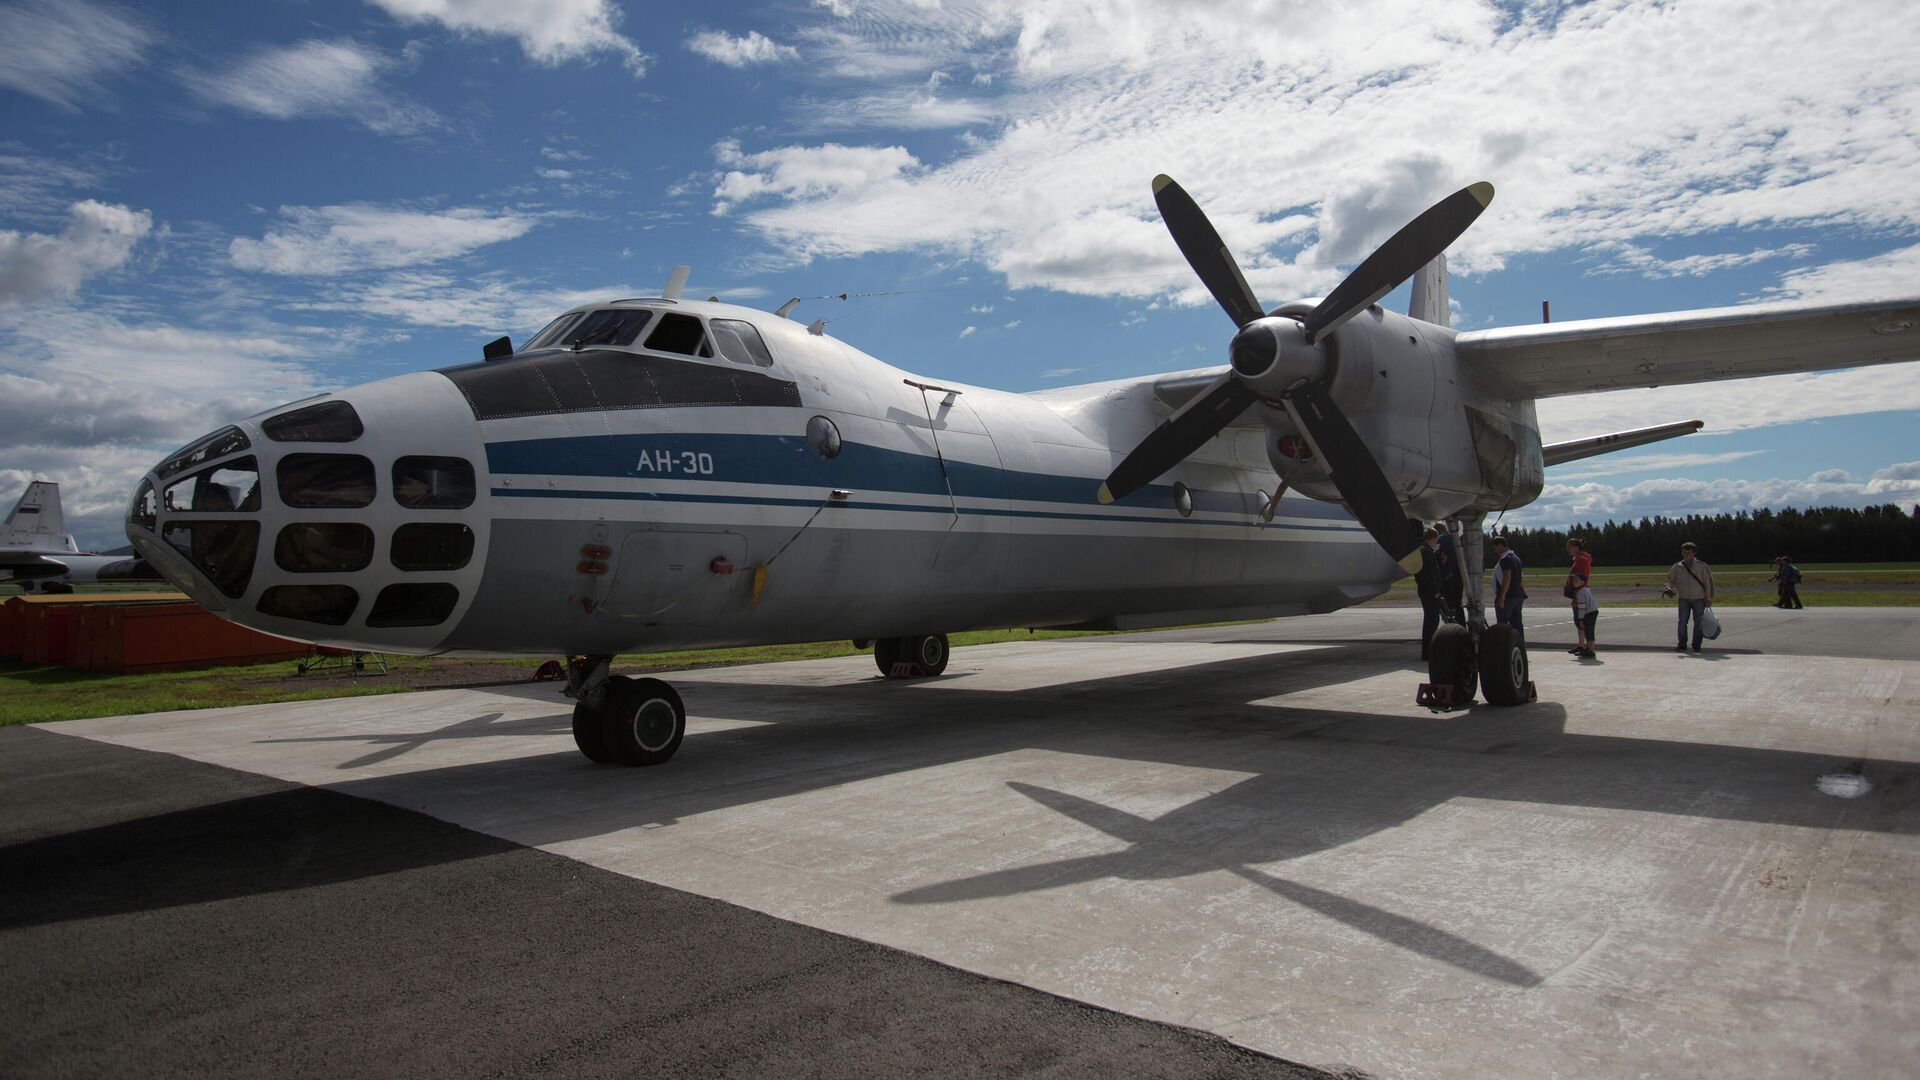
(620, 720)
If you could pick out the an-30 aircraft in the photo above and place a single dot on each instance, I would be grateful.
(656, 474)
(37, 552)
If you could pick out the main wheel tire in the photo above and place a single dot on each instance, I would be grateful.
(587, 729)
(1503, 666)
(886, 653)
(1450, 661)
(642, 721)
(928, 653)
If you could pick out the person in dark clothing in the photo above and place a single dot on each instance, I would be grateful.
(1452, 583)
(1508, 591)
(1788, 575)
(1426, 582)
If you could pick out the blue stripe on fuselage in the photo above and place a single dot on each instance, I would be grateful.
(861, 467)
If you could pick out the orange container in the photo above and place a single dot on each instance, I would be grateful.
(173, 637)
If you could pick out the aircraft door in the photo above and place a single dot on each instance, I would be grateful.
(665, 578)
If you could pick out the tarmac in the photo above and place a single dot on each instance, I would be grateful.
(1201, 852)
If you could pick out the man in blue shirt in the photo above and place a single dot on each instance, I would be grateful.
(1508, 592)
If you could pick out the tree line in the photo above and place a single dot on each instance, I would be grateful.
(1823, 534)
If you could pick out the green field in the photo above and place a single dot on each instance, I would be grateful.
(1740, 585)
(32, 695)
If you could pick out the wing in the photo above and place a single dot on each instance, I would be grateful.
(1689, 347)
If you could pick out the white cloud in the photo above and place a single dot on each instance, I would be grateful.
(1060, 372)
(92, 401)
(328, 240)
(550, 32)
(1889, 276)
(1012, 325)
(1560, 504)
(98, 238)
(969, 331)
(738, 52)
(830, 172)
(1735, 406)
(1625, 258)
(1602, 124)
(65, 51)
(492, 302)
(315, 79)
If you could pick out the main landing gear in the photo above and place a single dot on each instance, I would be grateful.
(619, 720)
(920, 656)
(1459, 661)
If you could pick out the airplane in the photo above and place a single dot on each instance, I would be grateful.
(36, 551)
(662, 473)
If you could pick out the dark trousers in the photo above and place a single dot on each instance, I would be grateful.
(1429, 622)
(1790, 596)
(1509, 614)
(1694, 608)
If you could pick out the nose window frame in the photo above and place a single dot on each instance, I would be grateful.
(433, 482)
(323, 547)
(333, 421)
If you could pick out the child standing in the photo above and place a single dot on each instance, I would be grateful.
(1585, 614)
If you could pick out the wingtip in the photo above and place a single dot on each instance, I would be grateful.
(1106, 495)
(1482, 193)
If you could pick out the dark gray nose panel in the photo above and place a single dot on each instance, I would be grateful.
(560, 381)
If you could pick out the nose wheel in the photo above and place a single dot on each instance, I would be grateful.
(630, 722)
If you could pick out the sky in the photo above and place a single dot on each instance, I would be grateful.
(209, 208)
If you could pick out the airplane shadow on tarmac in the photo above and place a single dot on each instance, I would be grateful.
(1319, 780)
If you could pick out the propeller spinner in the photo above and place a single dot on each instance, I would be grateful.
(1265, 348)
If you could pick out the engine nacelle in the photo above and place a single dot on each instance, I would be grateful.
(1445, 445)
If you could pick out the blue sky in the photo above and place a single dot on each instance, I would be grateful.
(208, 208)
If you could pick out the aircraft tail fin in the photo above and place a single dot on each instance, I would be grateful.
(1429, 302)
(36, 520)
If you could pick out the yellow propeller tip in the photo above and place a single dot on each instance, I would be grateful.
(1160, 182)
(1410, 562)
(1482, 192)
(1106, 495)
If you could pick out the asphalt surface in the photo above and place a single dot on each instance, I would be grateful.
(161, 917)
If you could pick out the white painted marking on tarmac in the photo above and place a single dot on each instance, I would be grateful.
(1844, 785)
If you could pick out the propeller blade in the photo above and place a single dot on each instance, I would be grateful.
(1355, 472)
(1203, 418)
(1393, 262)
(1205, 251)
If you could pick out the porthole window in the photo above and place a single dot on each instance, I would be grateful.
(222, 550)
(312, 547)
(431, 545)
(328, 605)
(223, 489)
(1267, 506)
(426, 603)
(228, 440)
(145, 511)
(329, 421)
(325, 481)
(433, 483)
(824, 437)
(1182, 499)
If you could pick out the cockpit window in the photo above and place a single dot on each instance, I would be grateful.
(681, 334)
(613, 327)
(740, 342)
(549, 337)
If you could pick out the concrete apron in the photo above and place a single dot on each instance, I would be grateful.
(1256, 837)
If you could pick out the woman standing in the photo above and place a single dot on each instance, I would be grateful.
(1578, 577)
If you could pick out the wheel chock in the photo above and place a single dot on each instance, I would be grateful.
(1436, 696)
(1531, 693)
(906, 669)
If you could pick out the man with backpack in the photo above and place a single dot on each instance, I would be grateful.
(1692, 581)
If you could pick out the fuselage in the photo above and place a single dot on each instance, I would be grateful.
(618, 497)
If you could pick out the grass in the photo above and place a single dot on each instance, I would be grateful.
(34, 695)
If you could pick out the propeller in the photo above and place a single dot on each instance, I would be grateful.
(1355, 473)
